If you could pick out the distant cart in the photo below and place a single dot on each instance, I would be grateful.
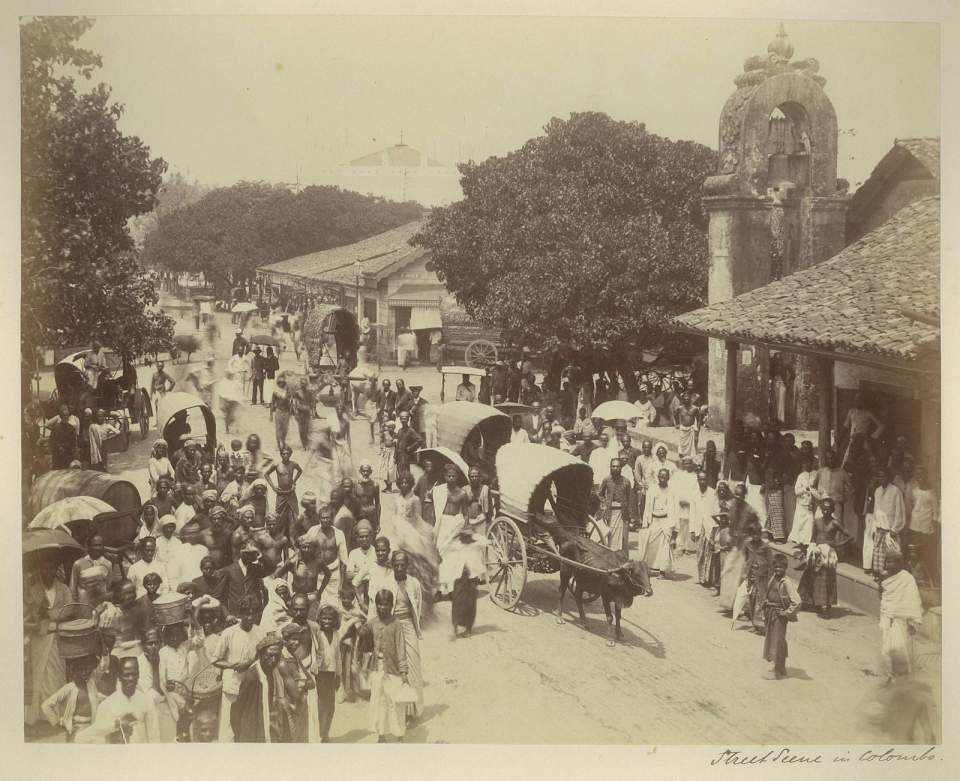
(475, 345)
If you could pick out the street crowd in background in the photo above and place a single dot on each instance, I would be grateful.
(253, 607)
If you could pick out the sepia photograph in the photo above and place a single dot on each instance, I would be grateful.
(463, 379)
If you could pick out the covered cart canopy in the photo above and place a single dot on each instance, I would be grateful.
(457, 420)
(444, 456)
(328, 320)
(528, 474)
(182, 416)
(63, 483)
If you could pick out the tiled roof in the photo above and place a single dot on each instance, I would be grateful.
(853, 303)
(925, 150)
(375, 254)
(427, 294)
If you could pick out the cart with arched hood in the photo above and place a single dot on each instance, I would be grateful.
(330, 331)
(474, 431)
(183, 417)
(118, 393)
(540, 488)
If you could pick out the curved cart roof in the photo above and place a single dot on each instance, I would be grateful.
(63, 483)
(69, 370)
(527, 471)
(457, 419)
(446, 455)
(176, 402)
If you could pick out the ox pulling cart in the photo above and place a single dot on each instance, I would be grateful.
(544, 498)
(543, 513)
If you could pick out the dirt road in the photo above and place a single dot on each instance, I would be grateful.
(681, 674)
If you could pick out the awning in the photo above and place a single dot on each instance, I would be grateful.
(417, 295)
(424, 317)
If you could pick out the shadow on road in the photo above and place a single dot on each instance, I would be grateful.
(419, 732)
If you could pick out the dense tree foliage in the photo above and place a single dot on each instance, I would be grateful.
(589, 237)
(231, 231)
(81, 181)
(176, 192)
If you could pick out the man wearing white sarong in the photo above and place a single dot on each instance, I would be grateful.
(684, 485)
(451, 503)
(801, 532)
(889, 518)
(659, 525)
(901, 614)
(236, 652)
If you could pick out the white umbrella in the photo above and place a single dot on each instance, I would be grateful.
(615, 410)
(244, 306)
(73, 508)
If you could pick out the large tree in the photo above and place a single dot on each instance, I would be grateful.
(81, 181)
(589, 237)
(231, 231)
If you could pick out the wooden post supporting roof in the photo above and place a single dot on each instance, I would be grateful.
(730, 395)
(825, 378)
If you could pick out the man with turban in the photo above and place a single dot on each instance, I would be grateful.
(265, 705)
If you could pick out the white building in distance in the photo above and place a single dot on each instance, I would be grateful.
(398, 173)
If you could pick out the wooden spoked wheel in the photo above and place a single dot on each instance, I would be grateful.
(506, 563)
(480, 354)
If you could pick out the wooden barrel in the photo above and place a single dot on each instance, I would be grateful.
(61, 483)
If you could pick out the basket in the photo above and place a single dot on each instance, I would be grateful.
(78, 638)
(206, 686)
(169, 609)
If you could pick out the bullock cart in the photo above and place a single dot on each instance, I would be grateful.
(544, 496)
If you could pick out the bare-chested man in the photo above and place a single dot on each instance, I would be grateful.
(332, 550)
(308, 573)
(271, 541)
(242, 534)
(688, 423)
(453, 504)
(308, 518)
(287, 473)
(217, 537)
(367, 495)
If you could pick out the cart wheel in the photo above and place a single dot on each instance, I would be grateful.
(507, 565)
(480, 354)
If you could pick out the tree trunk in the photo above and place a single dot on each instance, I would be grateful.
(630, 383)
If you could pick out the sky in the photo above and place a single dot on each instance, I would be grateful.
(223, 99)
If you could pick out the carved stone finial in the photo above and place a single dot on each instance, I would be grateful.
(781, 46)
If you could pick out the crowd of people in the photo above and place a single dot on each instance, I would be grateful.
(248, 611)
(252, 608)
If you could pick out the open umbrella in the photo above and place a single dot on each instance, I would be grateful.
(49, 539)
(615, 410)
(244, 306)
(73, 508)
(444, 455)
(265, 339)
